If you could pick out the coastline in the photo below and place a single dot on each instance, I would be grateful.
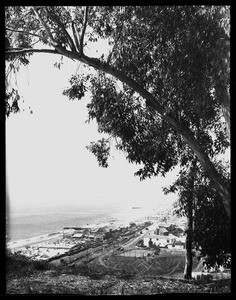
(14, 244)
(122, 218)
(33, 240)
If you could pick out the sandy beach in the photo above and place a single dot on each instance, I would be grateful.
(38, 240)
(34, 240)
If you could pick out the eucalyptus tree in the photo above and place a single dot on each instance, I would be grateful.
(212, 228)
(143, 136)
(185, 184)
(208, 230)
(172, 63)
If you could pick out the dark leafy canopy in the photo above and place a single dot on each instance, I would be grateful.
(12, 106)
(77, 89)
(211, 232)
(101, 149)
(173, 64)
(140, 133)
(185, 48)
(176, 66)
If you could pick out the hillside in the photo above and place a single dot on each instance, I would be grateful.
(50, 282)
(26, 277)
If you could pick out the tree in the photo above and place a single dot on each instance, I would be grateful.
(174, 74)
(150, 243)
(157, 250)
(211, 235)
(208, 228)
(185, 185)
(189, 196)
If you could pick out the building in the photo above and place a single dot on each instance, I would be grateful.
(68, 233)
(181, 239)
(96, 234)
(78, 235)
(84, 231)
(159, 240)
(99, 236)
(176, 246)
(103, 229)
(91, 236)
(161, 231)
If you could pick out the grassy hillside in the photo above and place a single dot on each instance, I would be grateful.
(137, 266)
(27, 277)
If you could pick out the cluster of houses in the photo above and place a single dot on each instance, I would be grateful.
(163, 238)
(160, 235)
(81, 233)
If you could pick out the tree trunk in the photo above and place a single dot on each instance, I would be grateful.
(188, 255)
(189, 230)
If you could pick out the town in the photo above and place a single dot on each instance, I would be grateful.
(142, 237)
(153, 245)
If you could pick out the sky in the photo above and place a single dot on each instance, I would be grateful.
(47, 163)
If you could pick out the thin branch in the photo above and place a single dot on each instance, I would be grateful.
(83, 30)
(16, 51)
(76, 36)
(59, 48)
(35, 43)
(23, 31)
(115, 44)
(61, 25)
(52, 42)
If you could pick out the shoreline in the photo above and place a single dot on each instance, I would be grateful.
(14, 244)
(19, 228)
(114, 223)
(33, 240)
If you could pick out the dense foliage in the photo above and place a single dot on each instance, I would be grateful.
(211, 228)
(161, 92)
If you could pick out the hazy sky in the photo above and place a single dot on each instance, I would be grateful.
(47, 162)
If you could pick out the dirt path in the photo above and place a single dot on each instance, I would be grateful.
(199, 267)
(176, 266)
(100, 258)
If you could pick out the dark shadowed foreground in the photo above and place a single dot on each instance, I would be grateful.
(41, 278)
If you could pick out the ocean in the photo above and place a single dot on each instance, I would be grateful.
(27, 224)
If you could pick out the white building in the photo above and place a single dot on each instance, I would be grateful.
(159, 240)
(179, 246)
(78, 235)
(68, 232)
(181, 239)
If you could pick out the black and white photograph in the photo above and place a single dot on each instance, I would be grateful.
(117, 150)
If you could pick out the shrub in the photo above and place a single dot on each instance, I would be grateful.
(18, 265)
(41, 265)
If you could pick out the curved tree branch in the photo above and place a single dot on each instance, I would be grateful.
(173, 122)
(185, 132)
(83, 30)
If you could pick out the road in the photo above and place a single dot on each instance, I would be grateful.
(138, 238)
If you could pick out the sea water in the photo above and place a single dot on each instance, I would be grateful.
(27, 224)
